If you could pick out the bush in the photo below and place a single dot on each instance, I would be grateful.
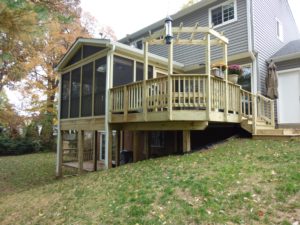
(18, 146)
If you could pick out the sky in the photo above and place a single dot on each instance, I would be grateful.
(126, 17)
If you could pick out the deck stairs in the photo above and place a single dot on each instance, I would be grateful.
(264, 130)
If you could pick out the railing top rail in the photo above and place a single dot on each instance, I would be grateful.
(264, 98)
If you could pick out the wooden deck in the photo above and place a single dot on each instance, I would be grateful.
(188, 98)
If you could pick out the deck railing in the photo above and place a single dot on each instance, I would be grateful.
(265, 109)
(189, 92)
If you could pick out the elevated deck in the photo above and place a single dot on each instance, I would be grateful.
(187, 101)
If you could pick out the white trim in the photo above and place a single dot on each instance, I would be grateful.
(288, 70)
(281, 35)
(286, 57)
(223, 4)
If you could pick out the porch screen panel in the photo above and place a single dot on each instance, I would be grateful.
(75, 93)
(65, 96)
(123, 71)
(100, 87)
(75, 58)
(87, 89)
(140, 71)
(90, 50)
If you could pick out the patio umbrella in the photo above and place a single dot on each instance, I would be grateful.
(272, 81)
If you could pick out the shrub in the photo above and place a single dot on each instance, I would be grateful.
(18, 146)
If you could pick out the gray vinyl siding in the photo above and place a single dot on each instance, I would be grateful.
(243, 61)
(236, 32)
(265, 40)
(289, 64)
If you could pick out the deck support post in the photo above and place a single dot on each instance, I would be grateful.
(95, 151)
(118, 148)
(80, 151)
(146, 144)
(208, 89)
(59, 156)
(170, 72)
(145, 93)
(226, 81)
(135, 145)
(186, 141)
(108, 156)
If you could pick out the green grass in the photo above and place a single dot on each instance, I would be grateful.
(239, 182)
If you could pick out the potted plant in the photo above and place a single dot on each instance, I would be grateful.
(234, 72)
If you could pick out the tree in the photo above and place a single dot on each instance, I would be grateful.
(22, 24)
(10, 120)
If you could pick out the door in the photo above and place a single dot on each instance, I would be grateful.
(289, 97)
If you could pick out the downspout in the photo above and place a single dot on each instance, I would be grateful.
(253, 54)
(109, 74)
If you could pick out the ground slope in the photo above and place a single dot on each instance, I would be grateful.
(239, 182)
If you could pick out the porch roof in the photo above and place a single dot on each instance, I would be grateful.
(112, 45)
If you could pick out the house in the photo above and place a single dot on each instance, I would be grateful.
(147, 101)
(256, 30)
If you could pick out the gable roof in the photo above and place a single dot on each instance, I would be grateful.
(115, 46)
(290, 51)
(161, 22)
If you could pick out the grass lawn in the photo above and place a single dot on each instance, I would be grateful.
(239, 182)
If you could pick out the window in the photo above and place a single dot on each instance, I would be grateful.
(123, 71)
(245, 79)
(87, 89)
(65, 95)
(279, 30)
(100, 85)
(223, 14)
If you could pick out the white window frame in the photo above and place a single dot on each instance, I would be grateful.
(221, 5)
(279, 33)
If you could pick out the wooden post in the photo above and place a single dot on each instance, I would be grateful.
(125, 103)
(145, 91)
(146, 145)
(273, 113)
(170, 72)
(135, 145)
(118, 147)
(254, 113)
(208, 89)
(109, 138)
(80, 151)
(186, 141)
(59, 156)
(95, 155)
(226, 82)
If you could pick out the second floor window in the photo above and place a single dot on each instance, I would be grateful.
(223, 13)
